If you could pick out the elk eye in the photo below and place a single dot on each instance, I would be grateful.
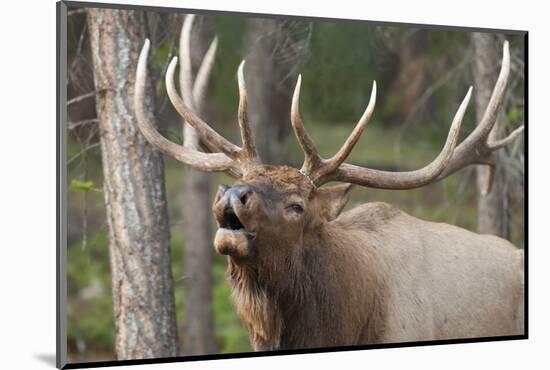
(296, 208)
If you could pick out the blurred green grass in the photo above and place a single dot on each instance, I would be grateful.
(377, 146)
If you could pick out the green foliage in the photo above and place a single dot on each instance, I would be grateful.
(448, 43)
(90, 311)
(229, 330)
(378, 147)
(77, 185)
(337, 78)
(162, 55)
(514, 116)
(172, 136)
(231, 50)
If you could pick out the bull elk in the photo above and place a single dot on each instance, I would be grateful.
(304, 275)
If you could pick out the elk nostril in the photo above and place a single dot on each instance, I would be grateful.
(222, 188)
(245, 197)
(221, 191)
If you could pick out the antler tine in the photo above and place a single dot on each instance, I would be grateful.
(186, 74)
(492, 110)
(193, 93)
(190, 135)
(312, 159)
(507, 140)
(482, 130)
(478, 148)
(444, 157)
(193, 96)
(346, 149)
(409, 179)
(207, 134)
(200, 161)
(203, 74)
(248, 143)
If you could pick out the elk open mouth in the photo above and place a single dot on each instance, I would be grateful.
(232, 237)
(230, 220)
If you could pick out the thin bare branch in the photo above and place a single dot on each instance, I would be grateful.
(73, 125)
(89, 147)
(81, 97)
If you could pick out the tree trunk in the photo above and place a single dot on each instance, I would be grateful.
(198, 335)
(198, 331)
(273, 53)
(139, 234)
(492, 208)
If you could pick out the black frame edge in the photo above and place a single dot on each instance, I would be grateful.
(526, 187)
(150, 361)
(61, 240)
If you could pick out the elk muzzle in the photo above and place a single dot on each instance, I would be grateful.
(233, 209)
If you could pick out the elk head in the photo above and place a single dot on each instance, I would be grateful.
(267, 212)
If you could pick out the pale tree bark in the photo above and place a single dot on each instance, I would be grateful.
(198, 330)
(493, 207)
(198, 333)
(135, 199)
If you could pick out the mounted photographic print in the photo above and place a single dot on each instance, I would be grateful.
(236, 185)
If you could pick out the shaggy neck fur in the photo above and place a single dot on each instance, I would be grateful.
(304, 299)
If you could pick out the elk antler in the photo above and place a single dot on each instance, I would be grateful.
(478, 147)
(193, 92)
(198, 160)
(475, 149)
(233, 158)
(248, 144)
(315, 167)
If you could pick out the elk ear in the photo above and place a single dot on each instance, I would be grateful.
(332, 199)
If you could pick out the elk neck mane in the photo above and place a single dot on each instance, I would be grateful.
(317, 284)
